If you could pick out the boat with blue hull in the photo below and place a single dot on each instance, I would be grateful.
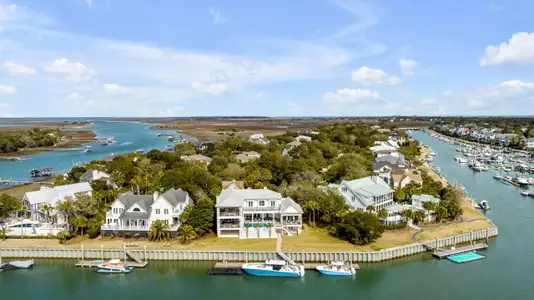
(114, 266)
(273, 268)
(336, 268)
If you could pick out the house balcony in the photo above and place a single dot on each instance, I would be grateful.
(229, 226)
(118, 227)
(273, 209)
(229, 214)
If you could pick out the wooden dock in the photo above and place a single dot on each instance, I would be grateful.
(95, 263)
(444, 253)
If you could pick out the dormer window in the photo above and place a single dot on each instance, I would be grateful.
(344, 189)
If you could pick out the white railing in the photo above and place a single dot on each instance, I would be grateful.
(117, 227)
(273, 209)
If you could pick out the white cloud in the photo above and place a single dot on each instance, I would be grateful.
(369, 76)
(216, 16)
(509, 97)
(18, 70)
(7, 89)
(72, 71)
(4, 105)
(495, 7)
(408, 67)
(214, 88)
(518, 50)
(429, 102)
(78, 99)
(349, 96)
(89, 3)
(115, 90)
(169, 112)
(447, 93)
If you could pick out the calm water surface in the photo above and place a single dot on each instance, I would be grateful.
(505, 274)
(129, 137)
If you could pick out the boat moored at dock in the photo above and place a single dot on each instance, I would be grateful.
(484, 205)
(273, 268)
(114, 266)
(336, 268)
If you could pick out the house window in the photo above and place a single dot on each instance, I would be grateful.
(250, 204)
(165, 211)
(157, 211)
(136, 209)
(273, 203)
(344, 189)
(262, 203)
(353, 198)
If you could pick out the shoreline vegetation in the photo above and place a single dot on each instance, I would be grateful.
(313, 238)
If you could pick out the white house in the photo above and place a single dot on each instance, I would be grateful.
(364, 192)
(247, 156)
(256, 213)
(92, 175)
(530, 143)
(258, 138)
(196, 158)
(395, 210)
(136, 213)
(303, 138)
(51, 196)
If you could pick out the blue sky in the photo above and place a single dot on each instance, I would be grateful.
(274, 58)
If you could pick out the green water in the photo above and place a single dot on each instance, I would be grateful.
(506, 273)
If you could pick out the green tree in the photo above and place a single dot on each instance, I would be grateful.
(3, 232)
(383, 213)
(407, 214)
(418, 216)
(8, 205)
(159, 230)
(270, 227)
(186, 233)
(359, 228)
(46, 209)
(370, 209)
(200, 216)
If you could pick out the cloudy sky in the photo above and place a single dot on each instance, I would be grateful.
(274, 58)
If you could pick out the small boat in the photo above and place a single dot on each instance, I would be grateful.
(463, 160)
(22, 264)
(273, 268)
(525, 192)
(484, 205)
(497, 176)
(114, 266)
(336, 268)
(523, 181)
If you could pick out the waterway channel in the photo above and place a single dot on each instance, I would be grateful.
(129, 137)
(505, 274)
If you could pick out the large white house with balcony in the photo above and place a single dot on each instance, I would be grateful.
(136, 213)
(364, 192)
(256, 213)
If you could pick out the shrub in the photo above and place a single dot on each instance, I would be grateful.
(127, 235)
(63, 236)
(136, 236)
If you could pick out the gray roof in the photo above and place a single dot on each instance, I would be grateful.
(177, 196)
(236, 198)
(129, 199)
(391, 159)
(377, 165)
(287, 203)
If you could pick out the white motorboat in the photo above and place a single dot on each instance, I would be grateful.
(525, 192)
(273, 268)
(336, 268)
(114, 266)
(22, 264)
(484, 205)
(463, 160)
(523, 181)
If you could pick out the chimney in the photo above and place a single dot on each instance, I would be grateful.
(156, 195)
(376, 179)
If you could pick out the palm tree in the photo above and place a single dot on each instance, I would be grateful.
(383, 213)
(418, 216)
(429, 206)
(370, 209)
(407, 215)
(311, 206)
(247, 225)
(186, 233)
(159, 230)
(3, 232)
(441, 213)
(46, 209)
(270, 226)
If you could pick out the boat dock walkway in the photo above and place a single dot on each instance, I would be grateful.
(95, 263)
(444, 253)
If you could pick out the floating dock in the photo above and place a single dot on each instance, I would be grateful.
(234, 268)
(465, 257)
(440, 253)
